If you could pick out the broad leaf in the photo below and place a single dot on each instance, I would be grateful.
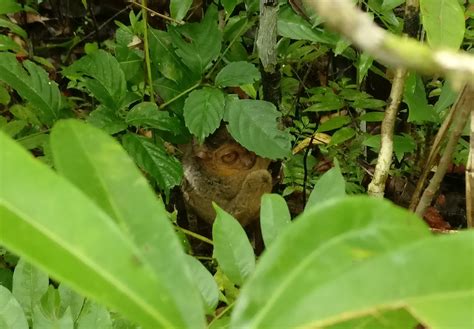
(153, 159)
(443, 22)
(198, 44)
(32, 85)
(29, 285)
(378, 256)
(334, 123)
(101, 74)
(254, 125)
(63, 230)
(274, 217)
(414, 96)
(107, 119)
(11, 313)
(203, 111)
(98, 166)
(147, 114)
(293, 26)
(47, 313)
(232, 248)
(94, 316)
(164, 58)
(205, 283)
(331, 185)
(237, 74)
(179, 8)
(342, 135)
(70, 300)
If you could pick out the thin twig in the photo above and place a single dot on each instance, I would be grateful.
(158, 14)
(147, 50)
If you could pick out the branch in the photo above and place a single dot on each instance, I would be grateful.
(344, 17)
(465, 105)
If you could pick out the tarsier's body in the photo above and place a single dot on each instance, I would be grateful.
(221, 170)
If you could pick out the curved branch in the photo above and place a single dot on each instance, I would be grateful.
(344, 17)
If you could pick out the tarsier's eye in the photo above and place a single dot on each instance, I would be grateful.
(230, 157)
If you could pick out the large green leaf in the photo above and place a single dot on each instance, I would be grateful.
(237, 74)
(203, 111)
(33, 86)
(254, 125)
(64, 233)
(232, 248)
(414, 96)
(329, 186)
(274, 217)
(147, 114)
(443, 21)
(98, 165)
(47, 313)
(94, 316)
(164, 58)
(29, 285)
(197, 44)
(11, 314)
(293, 26)
(377, 256)
(153, 158)
(101, 74)
(179, 8)
(205, 282)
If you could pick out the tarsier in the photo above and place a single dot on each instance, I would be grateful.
(221, 170)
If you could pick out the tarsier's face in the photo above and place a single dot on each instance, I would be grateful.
(232, 159)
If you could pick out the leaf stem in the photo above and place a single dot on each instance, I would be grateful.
(147, 50)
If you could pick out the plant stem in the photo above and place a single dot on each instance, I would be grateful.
(195, 235)
(147, 50)
(465, 104)
(179, 95)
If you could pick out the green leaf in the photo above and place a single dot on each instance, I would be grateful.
(164, 58)
(331, 185)
(364, 62)
(29, 285)
(274, 217)
(106, 119)
(447, 98)
(237, 74)
(391, 4)
(401, 144)
(415, 97)
(12, 26)
(4, 95)
(106, 264)
(444, 22)
(254, 125)
(378, 256)
(153, 159)
(70, 300)
(229, 5)
(179, 8)
(7, 44)
(94, 316)
(147, 114)
(334, 123)
(33, 86)
(203, 111)
(232, 248)
(368, 103)
(198, 44)
(342, 135)
(9, 7)
(11, 313)
(372, 116)
(293, 26)
(101, 74)
(205, 283)
(13, 127)
(103, 170)
(47, 314)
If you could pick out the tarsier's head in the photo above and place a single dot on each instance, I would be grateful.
(223, 171)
